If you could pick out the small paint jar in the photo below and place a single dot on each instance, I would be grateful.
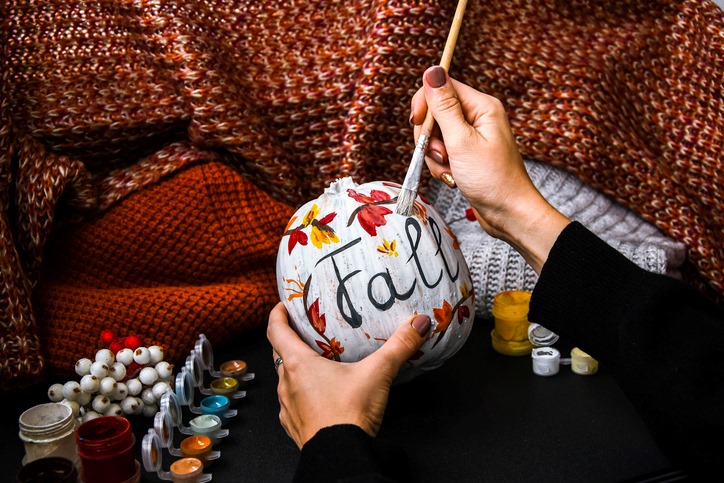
(187, 470)
(199, 447)
(208, 425)
(546, 361)
(105, 447)
(218, 406)
(510, 311)
(583, 364)
(228, 387)
(48, 430)
(51, 469)
(237, 369)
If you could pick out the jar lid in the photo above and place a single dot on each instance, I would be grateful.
(546, 361)
(205, 352)
(151, 452)
(46, 421)
(539, 336)
(185, 387)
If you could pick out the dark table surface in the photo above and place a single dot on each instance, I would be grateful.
(482, 416)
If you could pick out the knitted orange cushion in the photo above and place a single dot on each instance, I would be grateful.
(194, 253)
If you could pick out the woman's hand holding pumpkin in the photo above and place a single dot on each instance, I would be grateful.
(480, 152)
(315, 392)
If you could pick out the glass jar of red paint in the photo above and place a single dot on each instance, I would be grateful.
(105, 446)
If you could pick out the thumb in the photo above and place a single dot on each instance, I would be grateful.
(444, 104)
(402, 345)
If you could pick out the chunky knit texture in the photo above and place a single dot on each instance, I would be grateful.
(99, 100)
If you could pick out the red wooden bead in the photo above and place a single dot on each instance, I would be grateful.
(107, 336)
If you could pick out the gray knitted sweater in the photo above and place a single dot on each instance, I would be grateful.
(495, 266)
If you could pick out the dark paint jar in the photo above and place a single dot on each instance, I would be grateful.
(105, 447)
(52, 469)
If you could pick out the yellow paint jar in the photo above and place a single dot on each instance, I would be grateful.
(225, 386)
(510, 311)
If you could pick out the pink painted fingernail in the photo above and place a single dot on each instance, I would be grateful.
(436, 77)
(422, 324)
(436, 156)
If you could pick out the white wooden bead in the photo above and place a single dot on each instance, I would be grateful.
(117, 371)
(148, 397)
(148, 376)
(55, 392)
(71, 390)
(156, 352)
(139, 406)
(106, 356)
(90, 415)
(107, 386)
(114, 410)
(83, 399)
(142, 356)
(134, 387)
(99, 369)
(82, 367)
(90, 383)
(74, 406)
(129, 405)
(120, 392)
(159, 389)
(125, 356)
(100, 403)
(164, 369)
(150, 410)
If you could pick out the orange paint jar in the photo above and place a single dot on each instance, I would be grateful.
(186, 470)
(197, 447)
(237, 369)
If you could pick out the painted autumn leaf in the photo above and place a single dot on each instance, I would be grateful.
(371, 215)
(321, 236)
(390, 248)
(443, 316)
(321, 232)
(296, 287)
(463, 312)
(296, 236)
(318, 321)
(311, 215)
(456, 245)
(331, 350)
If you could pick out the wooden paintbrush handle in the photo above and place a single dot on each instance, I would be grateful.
(447, 53)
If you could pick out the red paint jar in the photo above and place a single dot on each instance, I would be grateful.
(105, 447)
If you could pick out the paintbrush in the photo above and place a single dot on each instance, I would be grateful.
(408, 193)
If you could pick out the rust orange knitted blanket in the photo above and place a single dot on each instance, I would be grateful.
(150, 150)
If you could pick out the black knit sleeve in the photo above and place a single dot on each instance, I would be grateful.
(660, 338)
(345, 453)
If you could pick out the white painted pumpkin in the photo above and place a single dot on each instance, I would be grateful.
(350, 270)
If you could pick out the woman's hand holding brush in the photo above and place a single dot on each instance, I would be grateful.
(478, 150)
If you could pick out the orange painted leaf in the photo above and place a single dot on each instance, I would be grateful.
(443, 316)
